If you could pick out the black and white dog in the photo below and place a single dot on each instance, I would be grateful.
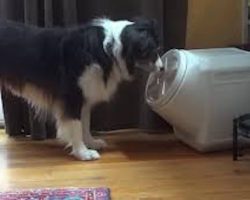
(68, 71)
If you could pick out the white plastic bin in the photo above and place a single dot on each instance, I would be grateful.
(200, 93)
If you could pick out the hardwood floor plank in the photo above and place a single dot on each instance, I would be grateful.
(134, 166)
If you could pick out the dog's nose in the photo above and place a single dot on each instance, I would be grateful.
(159, 64)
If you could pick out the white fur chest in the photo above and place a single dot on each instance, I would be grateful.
(93, 86)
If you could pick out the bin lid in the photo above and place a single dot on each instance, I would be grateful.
(162, 85)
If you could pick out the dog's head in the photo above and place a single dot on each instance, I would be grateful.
(140, 45)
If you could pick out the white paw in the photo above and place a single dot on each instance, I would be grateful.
(96, 144)
(87, 154)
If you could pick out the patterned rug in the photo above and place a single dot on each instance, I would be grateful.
(58, 194)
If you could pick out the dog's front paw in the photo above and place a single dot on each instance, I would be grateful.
(96, 144)
(87, 154)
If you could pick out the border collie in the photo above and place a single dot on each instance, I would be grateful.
(68, 71)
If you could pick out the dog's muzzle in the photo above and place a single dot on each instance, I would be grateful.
(159, 64)
(151, 66)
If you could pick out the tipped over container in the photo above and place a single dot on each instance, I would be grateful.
(200, 92)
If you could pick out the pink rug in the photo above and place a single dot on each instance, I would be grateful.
(57, 194)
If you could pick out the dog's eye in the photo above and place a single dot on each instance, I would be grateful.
(159, 50)
(154, 56)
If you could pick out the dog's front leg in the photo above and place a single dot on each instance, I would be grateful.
(71, 131)
(87, 137)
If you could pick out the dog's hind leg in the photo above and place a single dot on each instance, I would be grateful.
(87, 137)
(73, 129)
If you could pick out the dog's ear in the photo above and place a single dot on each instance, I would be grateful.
(147, 24)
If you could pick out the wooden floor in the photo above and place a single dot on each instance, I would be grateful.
(135, 166)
